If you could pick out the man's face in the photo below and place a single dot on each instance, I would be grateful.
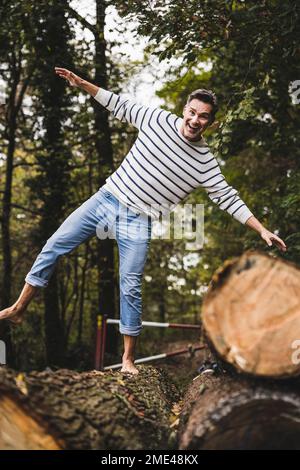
(196, 118)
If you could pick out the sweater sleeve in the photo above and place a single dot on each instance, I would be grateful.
(123, 109)
(227, 198)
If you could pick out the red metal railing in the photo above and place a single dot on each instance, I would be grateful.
(101, 340)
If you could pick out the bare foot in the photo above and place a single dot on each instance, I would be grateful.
(129, 368)
(13, 314)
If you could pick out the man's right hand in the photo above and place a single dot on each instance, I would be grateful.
(76, 81)
(73, 79)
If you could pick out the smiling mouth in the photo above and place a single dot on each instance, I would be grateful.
(193, 129)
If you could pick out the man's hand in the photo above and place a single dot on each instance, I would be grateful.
(270, 237)
(71, 77)
(76, 81)
(265, 234)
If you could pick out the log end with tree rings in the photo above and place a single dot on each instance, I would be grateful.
(251, 315)
(22, 431)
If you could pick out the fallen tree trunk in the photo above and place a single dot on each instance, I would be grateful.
(222, 411)
(251, 315)
(91, 410)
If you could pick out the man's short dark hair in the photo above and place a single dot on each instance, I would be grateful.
(207, 96)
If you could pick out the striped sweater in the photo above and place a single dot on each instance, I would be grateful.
(163, 167)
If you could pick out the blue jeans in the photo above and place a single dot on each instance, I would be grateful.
(104, 215)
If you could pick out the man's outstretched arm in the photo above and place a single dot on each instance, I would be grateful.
(123, 109)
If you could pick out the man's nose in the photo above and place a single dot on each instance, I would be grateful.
(195, 120)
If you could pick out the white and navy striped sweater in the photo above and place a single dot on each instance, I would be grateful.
(163, 167)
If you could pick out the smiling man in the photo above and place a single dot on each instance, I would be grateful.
(168, 160)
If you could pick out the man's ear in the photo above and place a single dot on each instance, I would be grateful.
(184, 109)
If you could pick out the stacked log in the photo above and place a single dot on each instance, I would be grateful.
(251, 316)
(91, 410)
(223, 412)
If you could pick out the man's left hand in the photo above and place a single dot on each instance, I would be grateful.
(270, 237)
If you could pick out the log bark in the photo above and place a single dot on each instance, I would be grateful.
(223, 411)
(251, 315)
(107, 294)
(90, 410)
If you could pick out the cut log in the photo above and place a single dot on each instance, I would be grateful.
(19, 431)
(226, 412)
(91, 410)
(251, 315)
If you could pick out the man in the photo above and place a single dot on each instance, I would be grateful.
(168, 160)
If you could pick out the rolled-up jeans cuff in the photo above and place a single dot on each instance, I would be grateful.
(130, 330)
(36, 281)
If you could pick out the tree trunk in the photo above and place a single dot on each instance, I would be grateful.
(90, 410)
(231, 412)
(17, 89)
(251, 315)
(6, 212)
(51, 40)
(105, 248)
(54, 328)
(6, 285)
